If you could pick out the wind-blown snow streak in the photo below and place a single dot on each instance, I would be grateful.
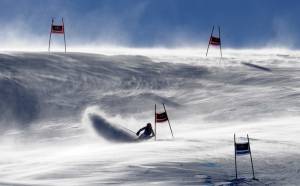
(48, 138)
(111, 132)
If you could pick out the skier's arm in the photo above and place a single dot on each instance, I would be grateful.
(138, 132)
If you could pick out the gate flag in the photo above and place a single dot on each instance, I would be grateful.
(58, 29)
(215, 41)
(161, 117)
(242, 148)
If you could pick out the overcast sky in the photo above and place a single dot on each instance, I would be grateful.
(150, 23)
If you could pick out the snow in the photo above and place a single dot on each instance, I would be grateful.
(48, 139)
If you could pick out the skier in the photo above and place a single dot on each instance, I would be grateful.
(148, 132)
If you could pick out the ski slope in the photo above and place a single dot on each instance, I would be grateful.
(47, 137)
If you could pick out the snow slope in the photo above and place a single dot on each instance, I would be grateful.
(47, 137)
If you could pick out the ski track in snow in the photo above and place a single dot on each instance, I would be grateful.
(48, 139)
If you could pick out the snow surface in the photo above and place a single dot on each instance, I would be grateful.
(48, 139)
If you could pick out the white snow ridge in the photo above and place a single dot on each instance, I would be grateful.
(48, 137)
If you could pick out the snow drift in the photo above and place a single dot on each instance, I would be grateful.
(47, 140)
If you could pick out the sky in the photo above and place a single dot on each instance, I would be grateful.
(152, 23)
